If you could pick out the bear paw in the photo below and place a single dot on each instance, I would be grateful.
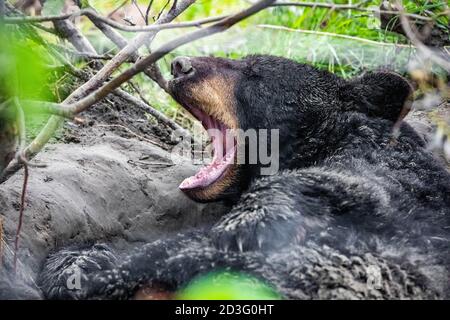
(241, 232)
(65, 274)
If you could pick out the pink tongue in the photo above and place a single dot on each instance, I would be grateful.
(209, 174)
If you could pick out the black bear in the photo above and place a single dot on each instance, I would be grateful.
(350, 196)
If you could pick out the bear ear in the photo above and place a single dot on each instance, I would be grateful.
(378, 94)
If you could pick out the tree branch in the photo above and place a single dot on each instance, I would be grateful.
(139, 66)
(125, 53)
(153, 112)
(147, 12)
(47, 107)
(152, 72)
(92, 14)
(68, 30)
(412, 36)
(357, 7)
(55, 122)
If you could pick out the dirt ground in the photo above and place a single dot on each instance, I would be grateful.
(100, 183)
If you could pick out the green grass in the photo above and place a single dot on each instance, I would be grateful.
(349, 22)
(343, 56)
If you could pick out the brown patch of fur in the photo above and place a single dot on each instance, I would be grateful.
(215, 96)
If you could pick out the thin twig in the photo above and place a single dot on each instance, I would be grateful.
(142, 64)
(412, 36)
(55, 122)
(152, 72)
(332, 6)
(102, 92)
(112, 23)
(356, 7)
(118, 8)
(139, 9)
(46, 29)
(132, 133)
(335, 35)
(152, 111)
(21, 158)
(162, 10)
(147, 12)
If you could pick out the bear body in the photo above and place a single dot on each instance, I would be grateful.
(350, 196)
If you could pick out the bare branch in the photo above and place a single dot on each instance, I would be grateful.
(22, 159)
(46, 107)
(321, 5)
(357, 7)
(117, 9)
(131, 132)
(112, 23)
(125, 53)
(335, 35)
(411, 34)
(147, 12)
(163, 26)
(141, 65)
(68, 30)
(138, 9)
(152, 72)
(84, 55)
(163, 8)
(55, 122)
(153, 112)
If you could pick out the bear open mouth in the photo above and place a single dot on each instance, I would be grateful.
(224, 149)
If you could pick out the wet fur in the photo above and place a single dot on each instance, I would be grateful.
(348, 196)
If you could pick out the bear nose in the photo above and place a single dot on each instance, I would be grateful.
(181, 66)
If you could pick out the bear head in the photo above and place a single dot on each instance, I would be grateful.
(270, 93)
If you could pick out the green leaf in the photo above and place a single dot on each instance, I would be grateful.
(84, 4)
(52, 7)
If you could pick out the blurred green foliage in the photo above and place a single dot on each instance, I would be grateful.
(227, 286)
(28, 72)
(23, 71)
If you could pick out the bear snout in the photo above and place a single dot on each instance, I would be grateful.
(181, 66)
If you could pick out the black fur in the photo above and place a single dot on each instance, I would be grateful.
(347, 189)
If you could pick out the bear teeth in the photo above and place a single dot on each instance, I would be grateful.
(224, 155)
